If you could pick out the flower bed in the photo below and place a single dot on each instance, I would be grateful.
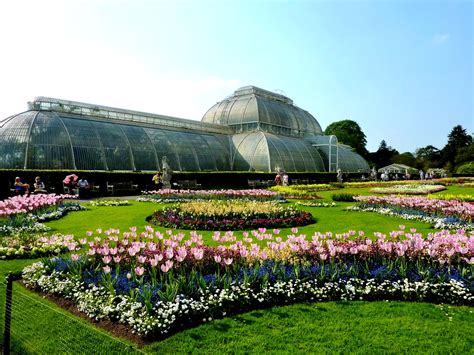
(229, 215)
(444, 208)
(409, 189)
(442, 214)
(457, 197)
(110, 203)
(33, 246)
(156, 283)
(170, 195)
(30, 204)
(24, 224)
(437, 222)
(301, 191)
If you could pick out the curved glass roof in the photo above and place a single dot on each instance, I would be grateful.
(113, 113)
(262, 151)
(251, 108)
(253, 130)
(53, 140)
(350, 161)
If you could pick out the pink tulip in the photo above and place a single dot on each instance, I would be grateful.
(139, 270)
(166, 266)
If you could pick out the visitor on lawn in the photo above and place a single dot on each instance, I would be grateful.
(84, 188)
(39, 186)
(20, 187)
(285, 179)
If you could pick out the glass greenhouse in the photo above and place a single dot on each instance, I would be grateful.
(252, 130)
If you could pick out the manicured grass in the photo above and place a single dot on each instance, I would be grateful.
(122, 217)
(360, 327)
(457, 190)
(334, 219)
(41, 327)
(348, 327)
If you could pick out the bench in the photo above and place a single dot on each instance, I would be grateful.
(70, 190)
(121, 188)
(188, 184)
(260, 183)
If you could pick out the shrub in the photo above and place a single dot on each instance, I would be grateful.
(343, 197)
(466, 168)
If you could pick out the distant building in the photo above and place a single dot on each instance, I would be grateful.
(252, 130)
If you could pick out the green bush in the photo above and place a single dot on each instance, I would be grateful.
(343, 197)
(466, 168)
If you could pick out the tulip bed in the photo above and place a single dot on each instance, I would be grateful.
(156, 283)
(411, 189)
(229, 215)
(442, 213)
(21, 215)
(33, 246)
(304, 192)
(110, 203)
(22, 228)
(170, 195)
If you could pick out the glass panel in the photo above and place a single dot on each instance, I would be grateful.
(115, 145)
(88, 152)
(13, 142)
(50, 147)
(144, 155)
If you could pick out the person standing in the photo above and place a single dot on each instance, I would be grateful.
(84, 188)
(278, 179)
(158, 180)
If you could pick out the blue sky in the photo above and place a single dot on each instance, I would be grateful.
(402, 69)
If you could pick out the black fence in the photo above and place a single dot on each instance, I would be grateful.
(33, 325)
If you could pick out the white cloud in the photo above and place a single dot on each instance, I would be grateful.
(440, 38)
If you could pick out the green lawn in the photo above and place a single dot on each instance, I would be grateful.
(360, 327)
(348, 327)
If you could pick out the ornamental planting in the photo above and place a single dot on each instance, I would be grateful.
(156, 282)
(229, 215)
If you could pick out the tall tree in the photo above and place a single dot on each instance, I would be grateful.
(429, 157)
(428, 153)
(349, 132)
(465, 154)
(406, 158)
(457, 139)
(384, 155)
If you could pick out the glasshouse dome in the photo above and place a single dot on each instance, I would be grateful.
(251, 108)
(252, 130)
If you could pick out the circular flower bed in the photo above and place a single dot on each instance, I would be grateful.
(229, 215)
